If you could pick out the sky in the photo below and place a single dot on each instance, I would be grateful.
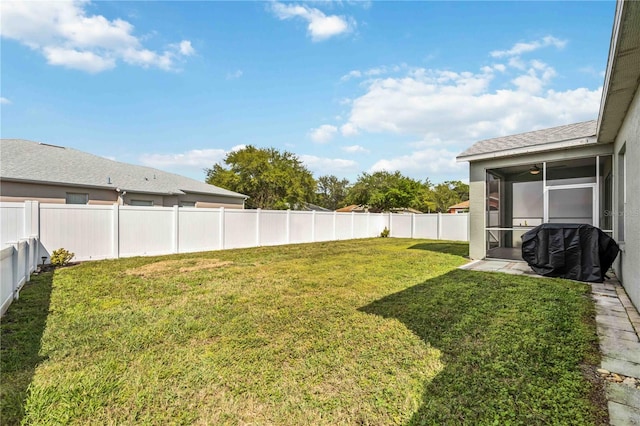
(347, 86)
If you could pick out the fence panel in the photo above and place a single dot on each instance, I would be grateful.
(378, 221)
(198, 229)
(146, 231)
(12, 218)
(361, 225)
(273, 227)
(454, 227)
(401, 225)
(6, 278)
(240, 228)
(426, 226)
(302, 227)
(324, 226)
(83, 230)
(343, 226)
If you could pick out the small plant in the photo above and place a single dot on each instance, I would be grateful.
(61, 257)
(384, 233)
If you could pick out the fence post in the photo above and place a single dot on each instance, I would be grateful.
(413, 224)
(221, 228)
(439, 227)
(288, 240)
(335, 215)
(368, 213)
(27, 260)
(14, 270)
(353, 223)
(468, 227)
(115, 224)
(28, 217)
(390, 224)
(313, 226)
(258, 210)
(176, 229)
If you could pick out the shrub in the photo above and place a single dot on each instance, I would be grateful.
(61, 257)
(384, 233)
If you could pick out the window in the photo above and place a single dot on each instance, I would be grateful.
(77, 198)
(187, 204)
(146, 203)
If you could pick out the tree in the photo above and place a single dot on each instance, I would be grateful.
(332, 192)
(272, 179)
(384, 191)
(446, 194)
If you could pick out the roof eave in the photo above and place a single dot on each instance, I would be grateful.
(41, 182)
(237, 195)
(552, 146)
(621, 81)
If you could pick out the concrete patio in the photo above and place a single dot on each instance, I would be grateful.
(618, 326)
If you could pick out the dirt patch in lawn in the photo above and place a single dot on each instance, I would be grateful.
(182, 266)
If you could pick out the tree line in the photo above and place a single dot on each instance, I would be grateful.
(278, 180)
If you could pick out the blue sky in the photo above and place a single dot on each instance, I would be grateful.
(349, 87)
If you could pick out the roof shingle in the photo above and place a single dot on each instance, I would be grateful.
(38, 162)
(538, 137)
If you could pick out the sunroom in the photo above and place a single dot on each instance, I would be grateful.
(557, 175)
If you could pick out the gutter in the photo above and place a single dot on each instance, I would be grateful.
(551, 146)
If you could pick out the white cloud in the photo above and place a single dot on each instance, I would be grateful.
(323, 134)
(372, 72)
(520, 48)
(198, 158)
(4, 101)
(320, 26)
(355, 148)
(349, 129)
(458, 108)
(234, 75)
(323, 165)
(350, 75)
(186, 49)
(429, 162)
(64, 33)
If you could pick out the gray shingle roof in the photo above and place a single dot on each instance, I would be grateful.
(538, 137)
(37, 162)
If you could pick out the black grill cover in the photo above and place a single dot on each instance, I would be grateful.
(567, 250)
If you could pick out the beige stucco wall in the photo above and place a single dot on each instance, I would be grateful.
(477, 186)
(56, 194)
(628, 267)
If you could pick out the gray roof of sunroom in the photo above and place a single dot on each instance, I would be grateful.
(560, 137)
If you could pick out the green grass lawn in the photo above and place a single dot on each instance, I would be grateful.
(378, 332)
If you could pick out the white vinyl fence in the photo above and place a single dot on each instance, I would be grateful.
(113, 231)
(17, 262)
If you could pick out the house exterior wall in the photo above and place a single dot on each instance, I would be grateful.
(477, 186)
(53, 194)
(628, 265)
(56, 194)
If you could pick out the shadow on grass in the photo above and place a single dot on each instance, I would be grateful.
(22, 327)
(512, 347)
(451, 247)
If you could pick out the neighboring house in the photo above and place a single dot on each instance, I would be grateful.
(462, 207)
(581, 173)
(54, 174)
(406, 210)
(358, 208)
(308, 207)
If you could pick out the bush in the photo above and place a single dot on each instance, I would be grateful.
(384, 233)
(61, 257)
